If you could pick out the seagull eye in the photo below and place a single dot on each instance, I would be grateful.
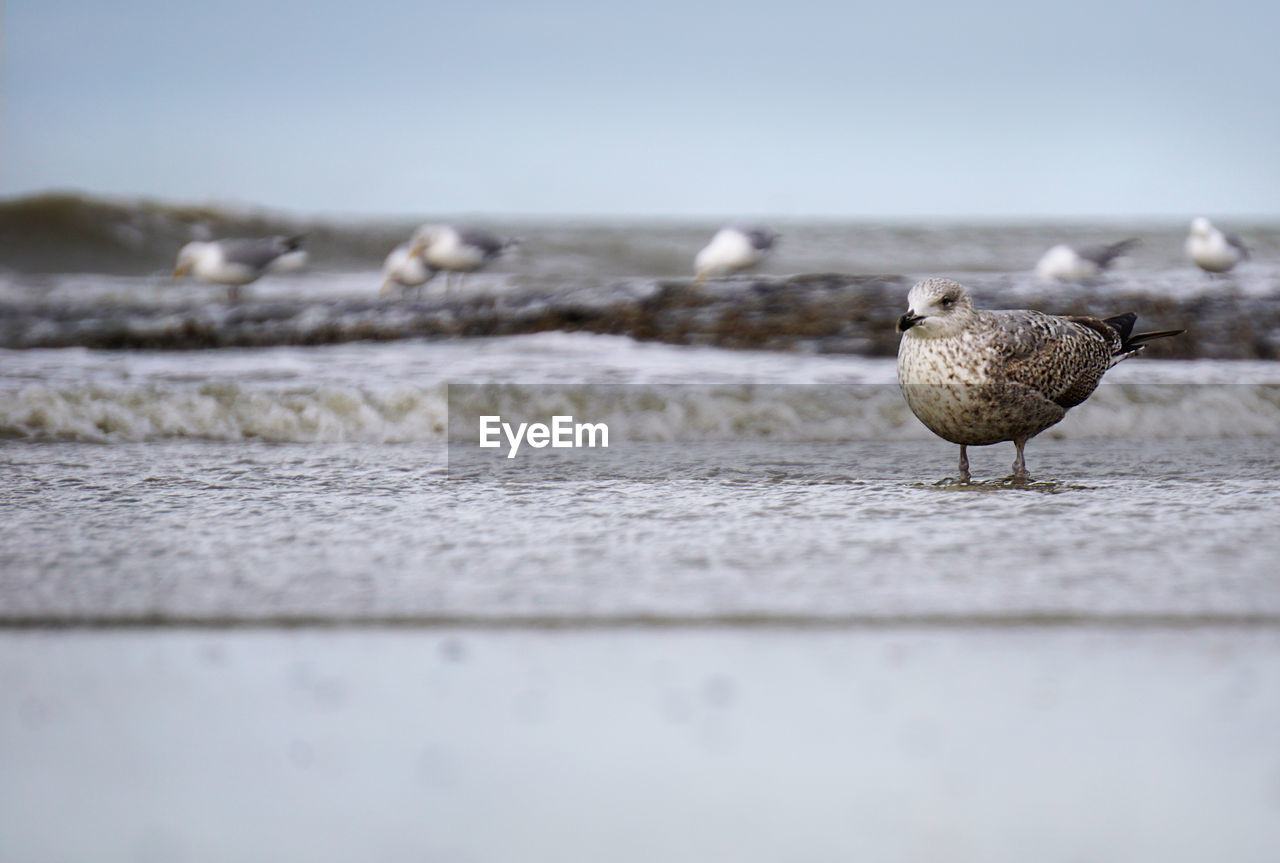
(947, 301)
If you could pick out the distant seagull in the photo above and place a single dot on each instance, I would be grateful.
(733, 250)
(456, 250)
(1065, 263)
(982, 377)
(236, 263)
(1212, 250)
(405, 269)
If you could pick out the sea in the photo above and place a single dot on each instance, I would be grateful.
(265, 595)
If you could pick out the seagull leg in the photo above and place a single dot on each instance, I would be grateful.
(233, 295)
(1020, 463)
(964, 464)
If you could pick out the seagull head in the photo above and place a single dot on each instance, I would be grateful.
(425, 237)
(1201, 227)
(187, 257)
(936, 307)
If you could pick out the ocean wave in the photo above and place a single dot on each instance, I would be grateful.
(87, 272)
(74, 232)
(69, 232)
(671, 414)
(818, 313)
(225, 412)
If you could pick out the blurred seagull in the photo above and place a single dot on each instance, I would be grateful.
(1065, 263)
(406, 269)
(236, 263)
(981, 377)
(456, 250)
(1212, 250)
(733, 250)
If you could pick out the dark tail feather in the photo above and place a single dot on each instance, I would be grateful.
(1130, 343)
(1123, 325)
(1143, 338)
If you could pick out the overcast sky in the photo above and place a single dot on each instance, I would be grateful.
(651, 108)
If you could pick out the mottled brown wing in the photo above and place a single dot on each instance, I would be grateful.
(1063, 359)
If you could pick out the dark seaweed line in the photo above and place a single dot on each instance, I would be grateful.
(827, 313)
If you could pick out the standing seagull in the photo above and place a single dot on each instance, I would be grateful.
(236, 263)
(406, 269)
(456, 250)
(1065, 263)
(733, 250)
(1211, 249)
(981, 377)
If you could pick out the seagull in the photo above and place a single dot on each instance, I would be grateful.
(733, 250)
(456, 250)
(982, 377)
(1211, 249)
(406, 269)
(1065, 263)
(236, 263)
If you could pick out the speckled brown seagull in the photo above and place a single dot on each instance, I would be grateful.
(981, 377)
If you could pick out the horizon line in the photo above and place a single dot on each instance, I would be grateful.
(233, 206)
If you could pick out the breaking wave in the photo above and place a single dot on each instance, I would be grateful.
(665, 413)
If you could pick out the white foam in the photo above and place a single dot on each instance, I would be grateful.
(399, 392)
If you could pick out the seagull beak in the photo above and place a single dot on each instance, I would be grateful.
(908, 321)
(181, 270)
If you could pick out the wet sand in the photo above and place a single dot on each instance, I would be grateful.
(689, 744)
